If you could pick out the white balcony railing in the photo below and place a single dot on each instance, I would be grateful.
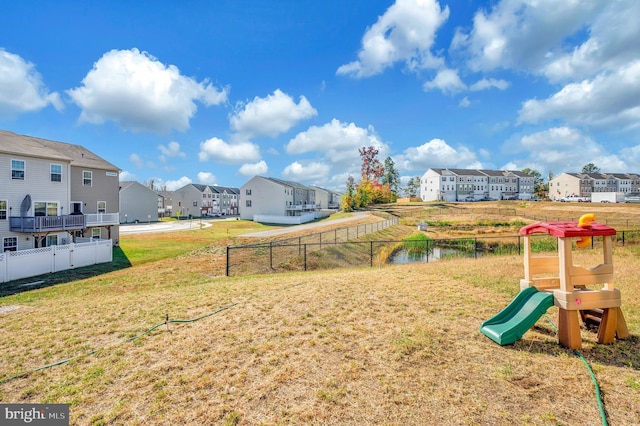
(101, 219)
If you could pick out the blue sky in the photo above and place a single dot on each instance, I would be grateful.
(216, 92)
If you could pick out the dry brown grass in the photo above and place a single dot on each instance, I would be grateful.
(397, 345)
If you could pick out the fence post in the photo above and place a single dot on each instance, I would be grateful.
(321, 241)
(271, 255)
(371, 254)
(623, 237)
(519, 253)
(299, 244)
(335, 235)
(227, 268)
(427, 251)
(305, 257)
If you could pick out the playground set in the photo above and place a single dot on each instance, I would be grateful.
(555, 280)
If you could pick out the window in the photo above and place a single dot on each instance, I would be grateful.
(195, 204)
(248, 203)
(56, 173)
(248, 192)
(17, 169)
(44, 208)
(3, 209)
(96, 233)
(11, 244)
(87, 178)
(102, 206)
(52, 240)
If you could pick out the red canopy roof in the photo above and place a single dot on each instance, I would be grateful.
(568, 229)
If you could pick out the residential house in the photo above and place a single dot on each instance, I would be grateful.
(327, 199)
(53, 193)
(200, 200)
(138, 203)
(584, 184)
(473, 185)
(267, 199)
(165, 203)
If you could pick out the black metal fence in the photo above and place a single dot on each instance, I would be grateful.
(305, 254)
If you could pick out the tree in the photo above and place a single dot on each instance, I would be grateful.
(538, 181)
(413, 187)
(391, 177)
(590, 168)
(151, 184)
(371, 169)
(347, 200)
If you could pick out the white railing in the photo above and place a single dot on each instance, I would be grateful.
(29, 263)
(100, 219)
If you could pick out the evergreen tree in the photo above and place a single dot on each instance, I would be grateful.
(391, 177)
(590, 168)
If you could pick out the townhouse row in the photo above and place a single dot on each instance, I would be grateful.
(584, 184)
(475, 185)
(54, 193)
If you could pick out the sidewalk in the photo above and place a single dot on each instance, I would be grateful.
(297, 228)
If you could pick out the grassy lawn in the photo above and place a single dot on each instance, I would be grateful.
(392, 345)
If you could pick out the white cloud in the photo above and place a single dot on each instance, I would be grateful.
(218, 150)
(405, 33)
(270, 116)
(612, 42)
(465, 102)
(173, 185)
(136, 160)
(437, 153)
(126, 176)
(523, 33)
(140, 93)
(609, 99)
(485, 84)
(206, 178)
(170, 151)
(339, 142)
(307, 172)
(447, 80)
(563, 149)
(21, 87)
(250, 170)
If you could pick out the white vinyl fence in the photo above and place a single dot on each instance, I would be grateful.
(28, 263)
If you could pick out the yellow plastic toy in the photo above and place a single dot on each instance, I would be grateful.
(569, 282)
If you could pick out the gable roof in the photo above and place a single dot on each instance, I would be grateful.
(29, 146)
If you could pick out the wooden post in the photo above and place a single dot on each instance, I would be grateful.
(569, 329)
(608, 325)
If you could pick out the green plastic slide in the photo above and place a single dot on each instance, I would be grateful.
(520, 315)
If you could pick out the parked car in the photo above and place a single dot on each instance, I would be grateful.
(632, 198)
(215, 214)
(574, 198)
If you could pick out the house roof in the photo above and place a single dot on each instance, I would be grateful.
(216, 188)
(288, 183)
(29, 146)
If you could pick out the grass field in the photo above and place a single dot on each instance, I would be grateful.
(392, 345)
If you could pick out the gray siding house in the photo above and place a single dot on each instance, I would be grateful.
(138, 203)
(52, 193)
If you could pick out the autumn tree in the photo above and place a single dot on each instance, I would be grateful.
(371, 168)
